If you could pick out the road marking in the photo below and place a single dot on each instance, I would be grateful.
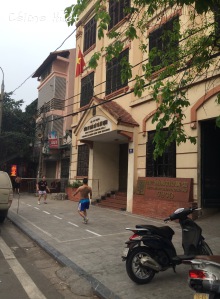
(93, 233)
(29, 205)
(43, 231)
(57, 217)
(78, 239)
(27, 283)
(73, 224)
(46, 212)
(36, 208)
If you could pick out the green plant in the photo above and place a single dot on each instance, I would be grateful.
(75, 184)
(180, 54)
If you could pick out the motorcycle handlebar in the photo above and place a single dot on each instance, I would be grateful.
(166, 219)
(181, 214)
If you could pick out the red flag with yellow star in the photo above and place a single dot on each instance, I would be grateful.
(80, 64)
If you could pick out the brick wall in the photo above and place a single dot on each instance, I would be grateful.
(156, 208)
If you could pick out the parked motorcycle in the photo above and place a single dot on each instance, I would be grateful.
(204, 277)
(150, 249)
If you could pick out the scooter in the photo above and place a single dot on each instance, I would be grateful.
(204, 277)
(150, 249)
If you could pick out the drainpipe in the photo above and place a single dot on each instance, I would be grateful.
(130, 180)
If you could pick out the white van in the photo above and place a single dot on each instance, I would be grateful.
(6, 194)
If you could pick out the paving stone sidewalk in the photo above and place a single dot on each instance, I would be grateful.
(91, 253)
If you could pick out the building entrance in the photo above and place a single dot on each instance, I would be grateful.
(123, 167)
(210, 164)
(50, 169)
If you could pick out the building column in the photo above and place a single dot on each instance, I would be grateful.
(90, 172)
(130, 181)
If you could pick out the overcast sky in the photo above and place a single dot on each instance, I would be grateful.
(30, 30)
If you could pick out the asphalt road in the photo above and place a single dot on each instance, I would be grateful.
(28, 272)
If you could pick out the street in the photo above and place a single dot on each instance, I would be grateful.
(28, 272)
(94, 250)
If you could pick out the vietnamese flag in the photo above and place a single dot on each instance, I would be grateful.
(80, 64)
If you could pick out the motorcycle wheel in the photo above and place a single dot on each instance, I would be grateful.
(135, 270)
(205, 249)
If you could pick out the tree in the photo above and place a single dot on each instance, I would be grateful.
(189, 50)
(18, 128)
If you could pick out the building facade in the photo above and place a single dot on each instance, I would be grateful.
(55, 100)
(112, 140)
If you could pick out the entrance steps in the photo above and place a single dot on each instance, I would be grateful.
(113, 200)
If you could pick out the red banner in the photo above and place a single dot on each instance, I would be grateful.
(53, 140)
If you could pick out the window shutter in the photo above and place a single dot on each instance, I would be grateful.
(113, 73)
(217, 20)
(149, 155)
(89, 34)
(87, 87)
(163, 166)
(116, 11)
(83, 160)
(161, 40)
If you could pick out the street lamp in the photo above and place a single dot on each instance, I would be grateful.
(1, 99)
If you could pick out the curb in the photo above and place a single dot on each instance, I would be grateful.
(98, 288)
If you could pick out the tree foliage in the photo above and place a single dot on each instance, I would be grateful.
(189, 54)
(18, 128)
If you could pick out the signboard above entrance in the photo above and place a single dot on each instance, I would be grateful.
(97, 125)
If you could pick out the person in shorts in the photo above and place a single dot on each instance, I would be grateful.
(42, 188)
(85, 197)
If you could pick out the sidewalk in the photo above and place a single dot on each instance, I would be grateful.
(93, 251)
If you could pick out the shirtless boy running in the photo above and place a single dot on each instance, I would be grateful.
(85, 195)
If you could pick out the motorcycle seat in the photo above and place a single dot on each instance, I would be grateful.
(163, 231)
(211, 258)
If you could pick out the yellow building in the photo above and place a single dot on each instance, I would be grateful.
(113, 129)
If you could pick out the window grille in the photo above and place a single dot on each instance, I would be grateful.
(163, 44)
(65, 164)
(217, 21)
(117, 12)
(89, 34)
(87, 86)
(83, 160)
(113, 73)
(54, 104)
(163, 166)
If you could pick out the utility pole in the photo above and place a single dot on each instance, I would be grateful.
(42, 140)
(1, 99)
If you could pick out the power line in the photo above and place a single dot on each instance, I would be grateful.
(65, 39)
(101, 82)
(93, 86)
(53, 51)
(122, 95)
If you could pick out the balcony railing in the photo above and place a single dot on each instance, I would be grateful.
(54, 104)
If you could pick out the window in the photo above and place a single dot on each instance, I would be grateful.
(89, 34)
(65, 164)
(163, 166)
(217, 21)
(87, 86)
(83, 160)
(163, 44)
(113, 73)
(46, 72)
(116, 11)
